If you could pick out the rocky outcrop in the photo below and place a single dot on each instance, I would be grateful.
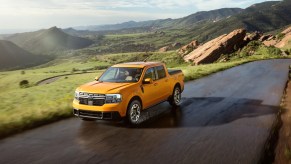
(252, 36)
(286, 31)
(266, 37)
(212, 50)
(285, 40)
(170, 47)
(164, 49)
(268, 40)
(188, 48)
(280, 41)
(176, 45)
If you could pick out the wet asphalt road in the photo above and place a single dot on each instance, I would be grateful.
(224, 118)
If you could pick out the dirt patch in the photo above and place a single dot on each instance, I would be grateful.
(283, 149)
(48, 81)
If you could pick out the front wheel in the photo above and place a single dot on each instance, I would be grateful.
(134, 112)
(175, 99)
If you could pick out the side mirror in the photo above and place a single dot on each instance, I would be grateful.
(147, 81)
(97, 78)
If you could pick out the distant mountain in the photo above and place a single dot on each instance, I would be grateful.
(50, 40)
(264, 17)
(213, 15)
(14, 57)
(73, 32)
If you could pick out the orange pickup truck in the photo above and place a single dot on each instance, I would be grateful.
(124, 90)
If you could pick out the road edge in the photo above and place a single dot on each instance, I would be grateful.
(270, 148)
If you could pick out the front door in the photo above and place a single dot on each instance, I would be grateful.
(150, 91)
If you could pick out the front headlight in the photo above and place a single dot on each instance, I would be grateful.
(113, 98)
(77, 95)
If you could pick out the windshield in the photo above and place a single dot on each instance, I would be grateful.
(121, 75)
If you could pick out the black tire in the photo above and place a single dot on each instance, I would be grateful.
(175, 99)
(88, 119)
(134, 112)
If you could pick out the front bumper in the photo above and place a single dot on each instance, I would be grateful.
(97, 114)
(104, 112)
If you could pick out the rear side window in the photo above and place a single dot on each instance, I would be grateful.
(150, 73)
(161, 72)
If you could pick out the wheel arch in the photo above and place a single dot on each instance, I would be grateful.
(135, 98)
(177, 85)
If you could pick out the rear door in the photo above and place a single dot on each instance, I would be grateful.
(162, 83)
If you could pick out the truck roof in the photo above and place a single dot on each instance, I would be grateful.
(137, 64)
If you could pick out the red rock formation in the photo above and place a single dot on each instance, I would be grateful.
(212, 50)
(279, 42)
(188, 48)
(164, 49)
(170, 47)
(285, 40)
(252, 36)
(266, 37)
(286, 31)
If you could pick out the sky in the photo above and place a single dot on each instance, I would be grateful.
(29, 15)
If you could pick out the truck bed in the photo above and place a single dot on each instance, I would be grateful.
(174, 71)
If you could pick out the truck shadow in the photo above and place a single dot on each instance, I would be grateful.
(206, 111)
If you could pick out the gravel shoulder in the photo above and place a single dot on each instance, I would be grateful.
(283, 149)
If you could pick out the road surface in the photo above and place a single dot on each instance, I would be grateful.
(224, 118)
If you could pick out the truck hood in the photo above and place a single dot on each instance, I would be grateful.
(102, 87)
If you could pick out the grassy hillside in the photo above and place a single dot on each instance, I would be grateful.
(265, 17)
(48, 41)
(190, 20)
(14, 57)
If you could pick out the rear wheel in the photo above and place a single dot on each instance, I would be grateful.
(134, 112)
(175, 99)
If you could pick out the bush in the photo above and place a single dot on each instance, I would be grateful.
(24, 84)
(99, 67)
(280, 36)
(74, 70)
(250, 49)
(274, 51)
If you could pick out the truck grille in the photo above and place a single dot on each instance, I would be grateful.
(90, 114)
(92, 99)
(94, 102)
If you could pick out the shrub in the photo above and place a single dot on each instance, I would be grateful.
(250, 49)
(274, 51)
(24, 84)
(280, 36)
(74, 70)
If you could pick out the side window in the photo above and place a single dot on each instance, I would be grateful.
(161, 72)
(150, 73)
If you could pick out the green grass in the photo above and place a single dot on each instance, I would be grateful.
(171, 58)
(137, 42)
(23, 108)
(196, 72)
